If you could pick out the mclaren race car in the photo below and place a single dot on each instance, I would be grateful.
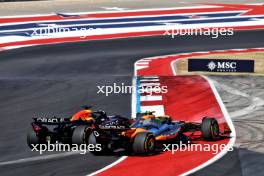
(73, 130)
(145, 133)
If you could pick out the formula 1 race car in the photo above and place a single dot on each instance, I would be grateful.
(73, 130)
(146, 132)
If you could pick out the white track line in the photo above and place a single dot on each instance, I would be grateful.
(37, 158)
(150, 84)
(151, 98)
(149, 80)
(108, 166)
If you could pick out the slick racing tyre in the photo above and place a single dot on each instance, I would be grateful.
(32, 138)
(104, 150)
(210, 129)
(80, 135)
(144, 144)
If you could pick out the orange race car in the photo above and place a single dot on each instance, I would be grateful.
(143, 135)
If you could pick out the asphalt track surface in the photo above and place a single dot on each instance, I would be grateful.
(27, 7)
(57, 79)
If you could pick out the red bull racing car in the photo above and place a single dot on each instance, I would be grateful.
(73, 130)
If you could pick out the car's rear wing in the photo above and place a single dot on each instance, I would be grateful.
(52, 120)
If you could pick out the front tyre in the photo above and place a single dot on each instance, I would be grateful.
(144, 144)
(210, 129)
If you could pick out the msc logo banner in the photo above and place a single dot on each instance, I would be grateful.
(221, 65)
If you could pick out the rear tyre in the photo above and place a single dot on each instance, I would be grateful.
(104, 150)
(144, 144)
(32, 138)
(210, 129)
(80, 135)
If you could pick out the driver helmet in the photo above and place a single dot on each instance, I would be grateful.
(88, 114)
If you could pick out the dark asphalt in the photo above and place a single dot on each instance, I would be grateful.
(58, 79)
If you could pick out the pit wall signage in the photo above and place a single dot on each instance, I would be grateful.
(221, 65)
